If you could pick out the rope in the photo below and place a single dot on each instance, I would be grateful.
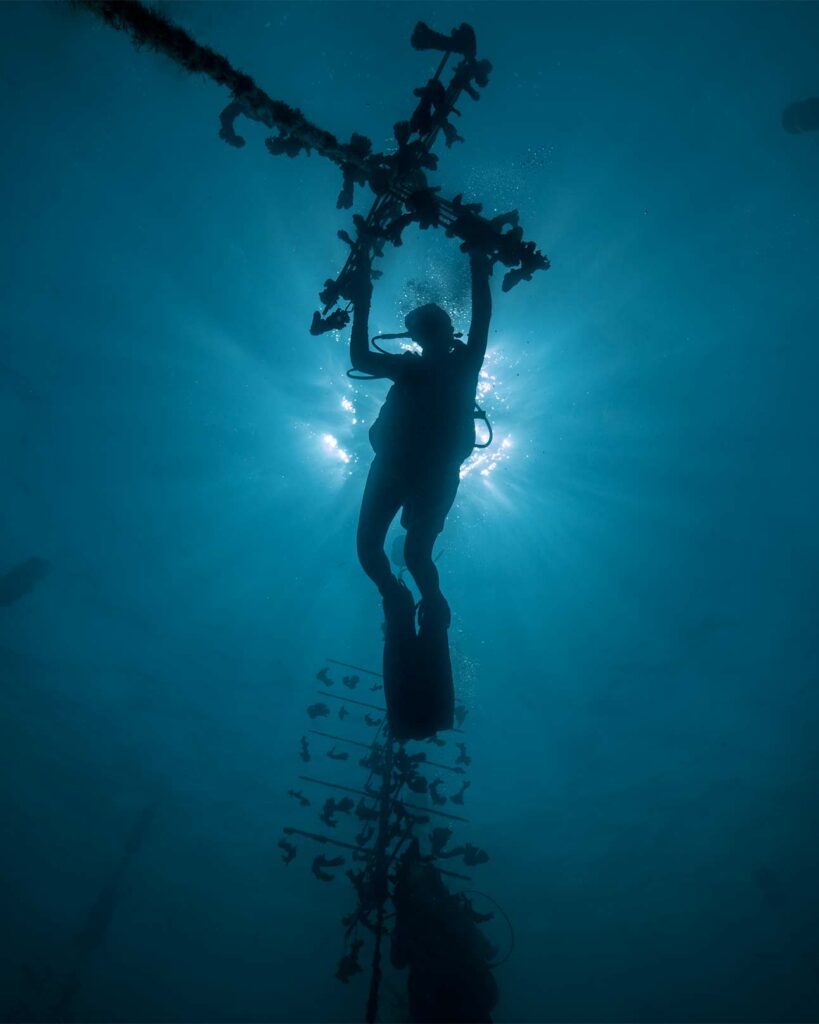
(150, 28)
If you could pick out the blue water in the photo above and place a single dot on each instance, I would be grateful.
(634, 581)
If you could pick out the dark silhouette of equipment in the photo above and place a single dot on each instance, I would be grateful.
(436, 936)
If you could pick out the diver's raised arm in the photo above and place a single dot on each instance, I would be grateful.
(481, 267)
(362, 357)
(361, 293)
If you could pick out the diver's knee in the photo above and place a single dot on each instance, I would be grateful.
(417, 553)
(366, 553)
(369, 552)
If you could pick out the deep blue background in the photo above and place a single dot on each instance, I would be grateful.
(634, 584)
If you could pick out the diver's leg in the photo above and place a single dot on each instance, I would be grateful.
(425, 512)
(418, 547)
(433, 689)
(381, 501)
(383, 496)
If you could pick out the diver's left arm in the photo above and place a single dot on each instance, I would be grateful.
(361, 355)
(481, 267)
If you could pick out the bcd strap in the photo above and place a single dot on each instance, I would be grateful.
(480, 414)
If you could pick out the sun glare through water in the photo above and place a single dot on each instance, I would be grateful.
(348, 442)
(334, 449)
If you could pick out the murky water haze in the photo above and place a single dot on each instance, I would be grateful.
(633, 583)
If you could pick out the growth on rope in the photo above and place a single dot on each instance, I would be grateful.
(403, 194)
(391, 847)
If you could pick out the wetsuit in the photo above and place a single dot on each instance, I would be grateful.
(423, 433)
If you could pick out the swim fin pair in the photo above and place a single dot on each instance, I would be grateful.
(417, 668)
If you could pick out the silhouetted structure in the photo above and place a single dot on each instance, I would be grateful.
(398, 179)
(392, 863)
(436, 936)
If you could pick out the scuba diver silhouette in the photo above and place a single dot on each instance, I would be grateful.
(423, 433)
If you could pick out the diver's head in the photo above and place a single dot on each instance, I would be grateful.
(430, 327)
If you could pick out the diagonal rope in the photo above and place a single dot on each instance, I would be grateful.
(147, 27)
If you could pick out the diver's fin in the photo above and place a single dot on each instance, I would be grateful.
(399, 658)
(433, 671)
(417, 670)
